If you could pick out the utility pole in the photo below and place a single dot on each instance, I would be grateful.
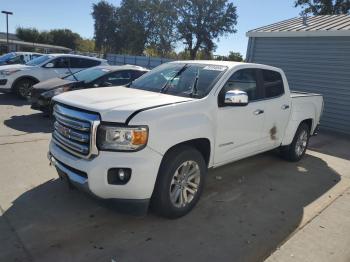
(7, 13)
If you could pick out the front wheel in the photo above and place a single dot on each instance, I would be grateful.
(296, 150)
(180, 182)
(23, 87)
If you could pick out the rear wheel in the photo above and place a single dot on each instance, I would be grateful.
(180, 182)
(296, 150)
(23, 87)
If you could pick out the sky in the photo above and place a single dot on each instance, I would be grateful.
(76, 15)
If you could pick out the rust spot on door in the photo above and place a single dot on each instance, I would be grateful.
(273, 132)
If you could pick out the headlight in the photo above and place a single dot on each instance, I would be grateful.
(119, 138)
(56, 91)
(8, 72)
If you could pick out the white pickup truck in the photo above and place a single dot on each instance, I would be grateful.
(152, 142)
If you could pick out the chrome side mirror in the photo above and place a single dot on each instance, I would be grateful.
(236, 98)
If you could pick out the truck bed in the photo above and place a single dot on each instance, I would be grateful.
(303, 102)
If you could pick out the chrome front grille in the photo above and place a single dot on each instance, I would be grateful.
(75, 131)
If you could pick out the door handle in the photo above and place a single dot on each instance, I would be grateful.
(284, 107)
(258, 112)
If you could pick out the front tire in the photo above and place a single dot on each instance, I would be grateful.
(180, 182)
(296, 150)
(23, 88)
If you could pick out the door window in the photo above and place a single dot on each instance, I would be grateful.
(272, 83)
(61, 62)
(119, 77)
(244, 80)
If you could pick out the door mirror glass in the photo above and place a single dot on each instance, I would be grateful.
(236, 98)
(49, 65)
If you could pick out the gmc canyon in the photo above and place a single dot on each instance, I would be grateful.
(151, 142)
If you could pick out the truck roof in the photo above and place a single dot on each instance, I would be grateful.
(229, 64)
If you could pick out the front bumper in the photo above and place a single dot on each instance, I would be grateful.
(144, 165)
(5, 84)
(41, 103)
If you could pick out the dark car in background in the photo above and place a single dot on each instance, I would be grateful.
(94, 77)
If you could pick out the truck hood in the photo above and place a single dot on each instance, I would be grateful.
(116, 104)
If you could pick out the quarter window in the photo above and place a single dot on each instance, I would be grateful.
(244, 80)
(272, 83)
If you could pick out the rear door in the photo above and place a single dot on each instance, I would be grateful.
(277, 107)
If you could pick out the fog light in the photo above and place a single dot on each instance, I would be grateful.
(118, 176)
(121, 174)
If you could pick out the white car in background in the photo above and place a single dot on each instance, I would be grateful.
(18, 58)
(20, 78)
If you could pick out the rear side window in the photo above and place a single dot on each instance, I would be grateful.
(85, 63)
(119, 78)
(272, 83)
(77, 62)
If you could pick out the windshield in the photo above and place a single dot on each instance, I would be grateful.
(39, 60)
(6, 57)
(88, 75)
(180, 79)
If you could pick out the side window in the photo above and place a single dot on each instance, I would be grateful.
(136, 74)
(61, 62)
(85, 63)
(75, 62)
(244, 80)
(119, 77)
(272, 83)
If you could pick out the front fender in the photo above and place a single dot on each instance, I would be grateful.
(174, 124)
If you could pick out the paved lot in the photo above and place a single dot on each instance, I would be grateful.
(248, 209)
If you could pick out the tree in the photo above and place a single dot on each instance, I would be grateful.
(86, 45)
(233, 56)
(202, 21)
(161, 33)
(105, 25)
(324, 7)
(133, 25)
(28, 34)
(65, 37)
(61, 37)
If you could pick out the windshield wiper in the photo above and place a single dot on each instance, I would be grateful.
(165, 88)
(70, 71)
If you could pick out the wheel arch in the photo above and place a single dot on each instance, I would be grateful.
(201, 144)
(288, 139)
(24, 77)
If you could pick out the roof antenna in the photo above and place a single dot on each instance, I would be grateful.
(305, 19)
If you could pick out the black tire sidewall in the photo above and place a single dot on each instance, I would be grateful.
(161, 202)
(19, 83)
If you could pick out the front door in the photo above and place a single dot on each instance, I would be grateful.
(239, 128)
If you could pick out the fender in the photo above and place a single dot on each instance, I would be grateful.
(304, 112)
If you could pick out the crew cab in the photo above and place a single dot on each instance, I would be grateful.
(20, 78)
(153, 141)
